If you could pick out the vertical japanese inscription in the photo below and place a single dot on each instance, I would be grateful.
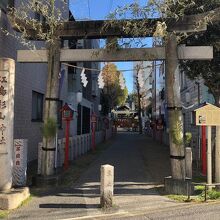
(20, 162)
(7, 81)
(4, 117)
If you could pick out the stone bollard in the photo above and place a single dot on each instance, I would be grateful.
(107, 185)
(188, 154)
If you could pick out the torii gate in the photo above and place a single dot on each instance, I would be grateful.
(93, 29)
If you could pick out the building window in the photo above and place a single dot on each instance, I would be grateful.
(85, 120)
(37, 106)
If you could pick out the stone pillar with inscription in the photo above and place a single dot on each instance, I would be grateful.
(7, 81)
(107, 186)
(20, 162)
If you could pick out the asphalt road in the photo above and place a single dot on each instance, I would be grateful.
(192, 212)
(206, 211)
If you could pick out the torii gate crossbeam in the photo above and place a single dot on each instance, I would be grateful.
(101, 55)
(95, 30)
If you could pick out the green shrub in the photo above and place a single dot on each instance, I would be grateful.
(188, 137)
(49, 129)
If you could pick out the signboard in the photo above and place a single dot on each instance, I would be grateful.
(208, 115)
(20, 162)
(67, 112)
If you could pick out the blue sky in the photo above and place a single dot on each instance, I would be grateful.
(97, 10)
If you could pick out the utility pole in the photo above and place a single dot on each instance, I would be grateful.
(201, 155)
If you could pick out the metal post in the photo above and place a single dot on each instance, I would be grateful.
(217, 155)
(204, 159)
(66, 161)
(200, 161)
(209, 158)
(188, 156)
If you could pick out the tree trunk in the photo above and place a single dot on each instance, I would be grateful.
(175, 118)
(50, 111)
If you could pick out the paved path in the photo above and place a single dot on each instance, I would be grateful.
(140, 165)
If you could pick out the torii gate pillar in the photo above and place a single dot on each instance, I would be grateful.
(177, 183)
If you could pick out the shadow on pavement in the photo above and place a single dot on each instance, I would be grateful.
(70, 206)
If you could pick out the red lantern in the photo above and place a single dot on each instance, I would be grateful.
(67, 112)
(67, 115)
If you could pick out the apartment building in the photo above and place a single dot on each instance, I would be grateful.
(90, 93)
(30, 88)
